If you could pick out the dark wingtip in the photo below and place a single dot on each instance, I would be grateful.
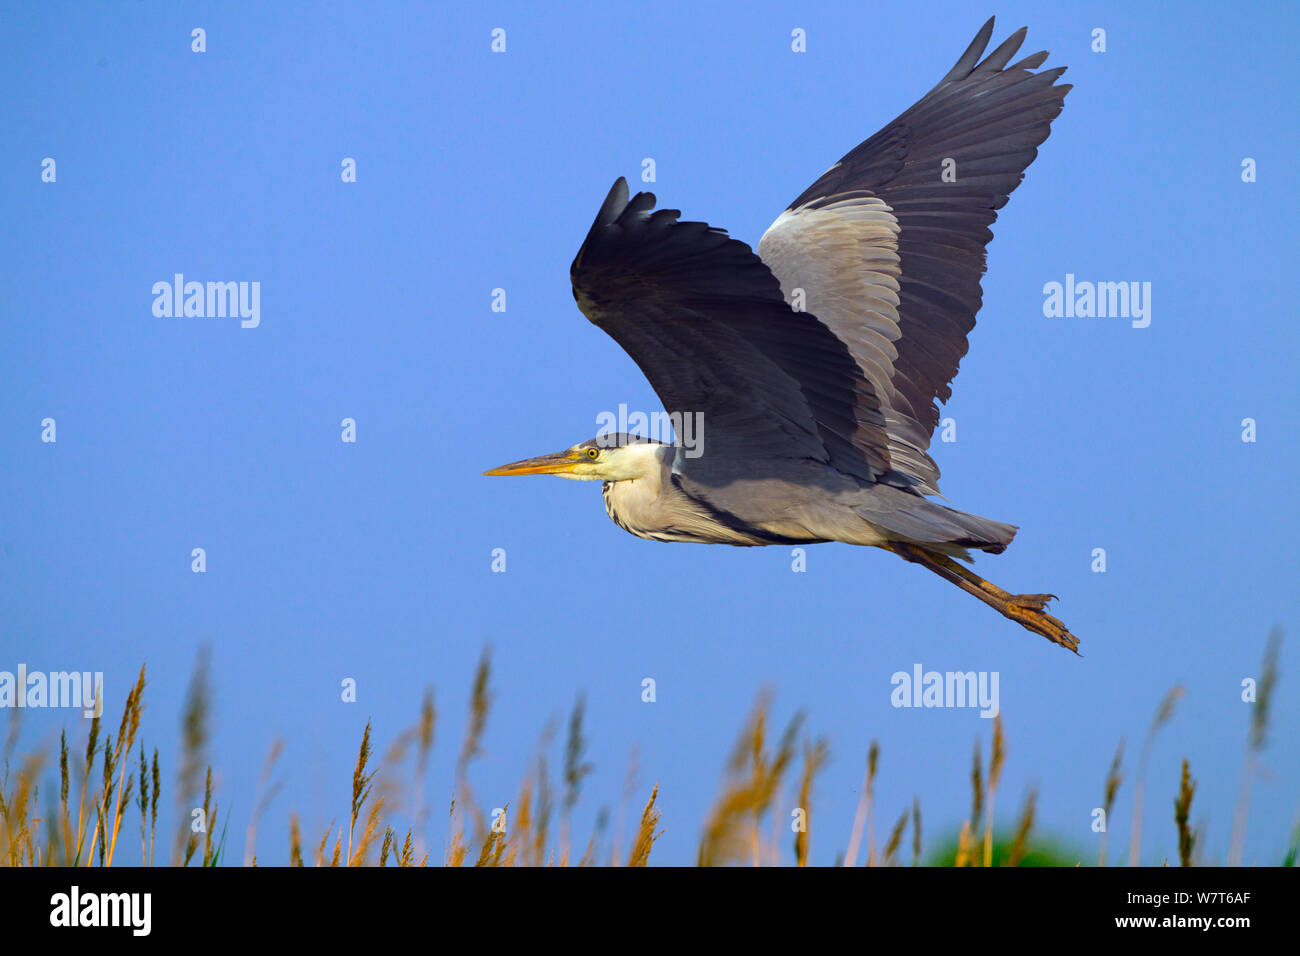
(613, 206)
(1000, 57)
(614, 203)
(617, 206)
(1031, 62)
(966, 63)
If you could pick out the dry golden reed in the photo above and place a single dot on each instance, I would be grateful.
(895, 839)
(732, 833)
(815, 756)
(1182, 811)
(1020, 842)
(996, 759)
(266, 792)
(862, 815)
(916, 831)
(1114, 777)
(646, 833)
(1255, 743)
(1164, 713)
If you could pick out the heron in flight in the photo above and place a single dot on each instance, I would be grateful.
(815, 364)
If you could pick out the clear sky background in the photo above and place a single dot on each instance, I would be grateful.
(479, 171)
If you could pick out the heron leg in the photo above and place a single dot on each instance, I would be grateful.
(1034, 601)
(1027, 610)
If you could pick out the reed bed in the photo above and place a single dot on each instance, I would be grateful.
(97, 785)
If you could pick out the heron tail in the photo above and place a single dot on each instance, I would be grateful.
(921, 521)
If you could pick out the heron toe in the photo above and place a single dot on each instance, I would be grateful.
(1040, 622)
(1034, 602)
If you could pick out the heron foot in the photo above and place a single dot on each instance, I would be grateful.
(1027, 610)
(1035, 602)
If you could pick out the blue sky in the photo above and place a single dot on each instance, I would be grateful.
(476, 171)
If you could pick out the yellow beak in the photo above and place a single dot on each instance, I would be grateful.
(556, 464)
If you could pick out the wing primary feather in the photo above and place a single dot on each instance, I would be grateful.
(1000, 57)
(967, 61)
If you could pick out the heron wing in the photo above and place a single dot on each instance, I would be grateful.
(705, 320)
(889, 255)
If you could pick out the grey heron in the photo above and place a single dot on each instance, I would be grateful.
(817, 361)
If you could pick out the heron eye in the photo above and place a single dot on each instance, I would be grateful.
(593, 454)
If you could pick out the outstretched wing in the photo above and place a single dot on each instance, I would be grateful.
(706, 322)
(888, 246)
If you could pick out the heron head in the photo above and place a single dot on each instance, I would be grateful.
(614, 456)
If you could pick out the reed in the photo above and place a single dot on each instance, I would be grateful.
(1254, 744)
(95, 787)
(1182, 811)
(1114, 777)
(1164, 712)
